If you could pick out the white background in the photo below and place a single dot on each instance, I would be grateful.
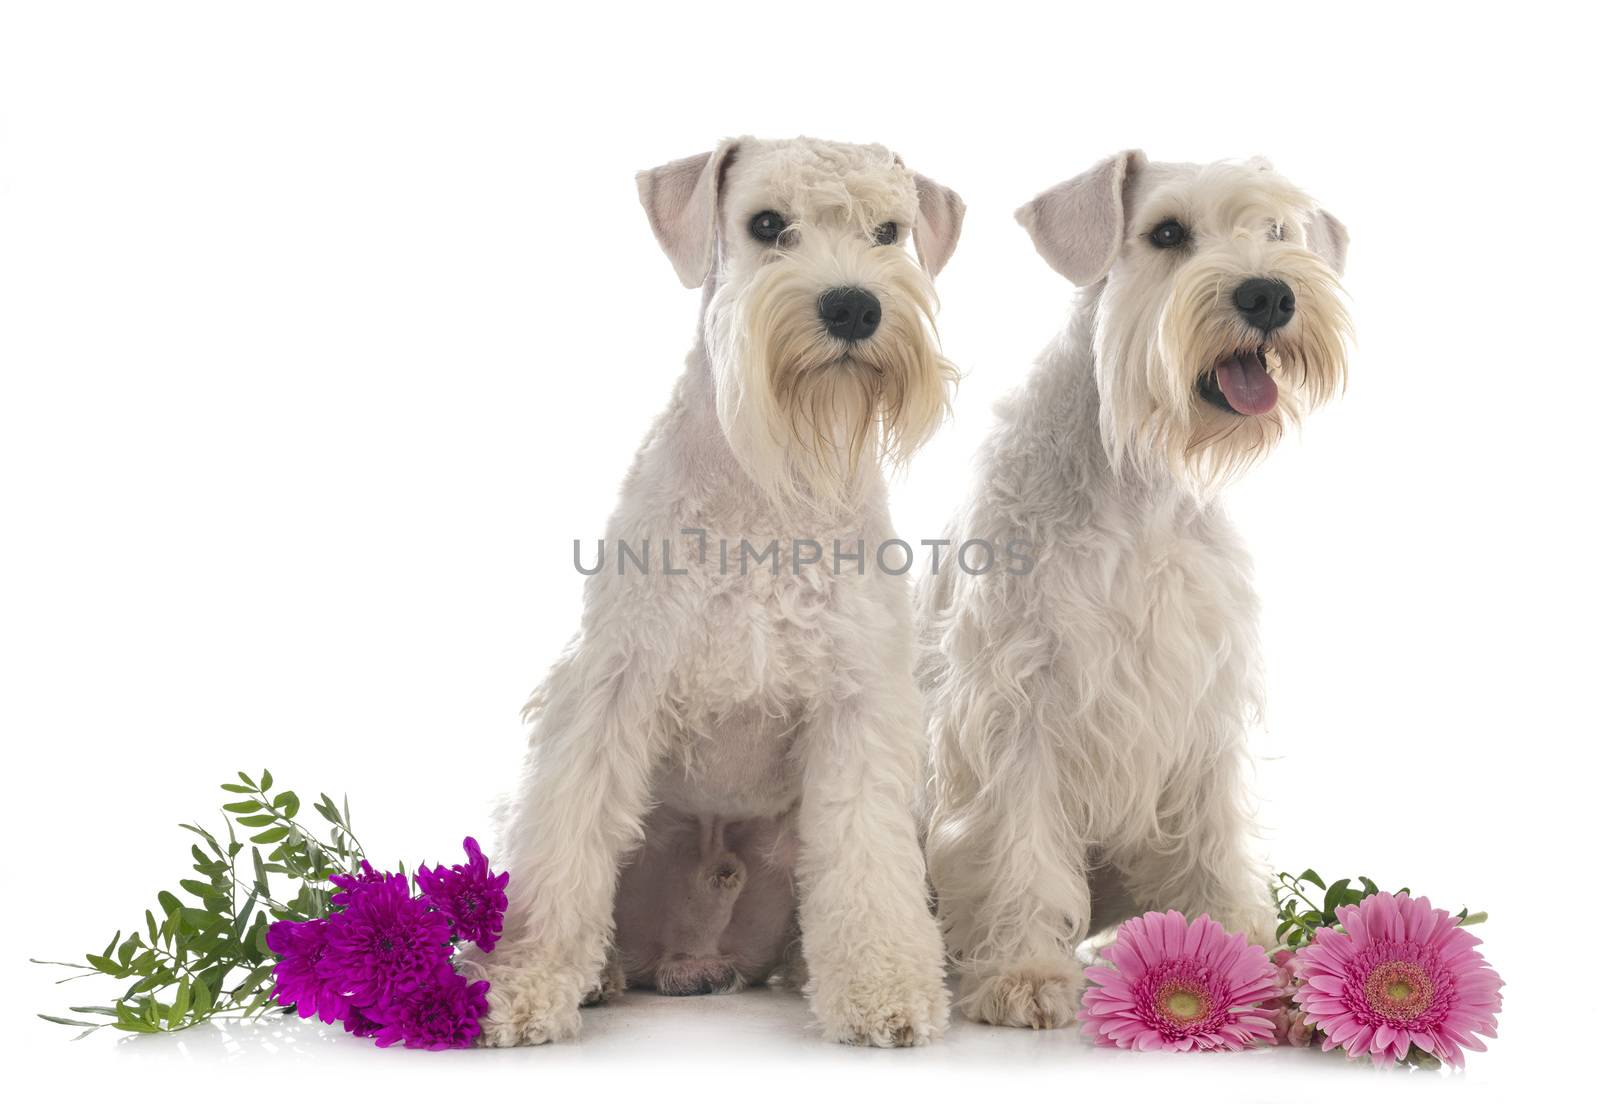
(325, 328)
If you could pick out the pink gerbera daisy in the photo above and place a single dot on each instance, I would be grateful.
(1175, 985)
(1401, 973)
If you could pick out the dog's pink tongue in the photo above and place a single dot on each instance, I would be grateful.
(1245, 382)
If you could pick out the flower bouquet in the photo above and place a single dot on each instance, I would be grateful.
(1365, 972)
(350, 944)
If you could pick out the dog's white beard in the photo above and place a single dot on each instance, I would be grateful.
(806, 414)
(1154, 344)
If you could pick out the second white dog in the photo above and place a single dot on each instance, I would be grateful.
(1087, 717)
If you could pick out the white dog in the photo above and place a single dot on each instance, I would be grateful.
(1087, 718)
(736, 721)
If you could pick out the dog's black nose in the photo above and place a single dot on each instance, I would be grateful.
(1265, 304)
(850, 313)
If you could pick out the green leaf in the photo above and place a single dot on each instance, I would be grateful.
(266, 780)
(106, 965)
(199, 920)
(243, 917)
(242, 806)
(1335, 897)
(168, 902)
(234, 787)
(1313, 877)
(288, 802)
(203, 1000)
(253, 980)
(247, 780)
(200, 889)
(260, 820)
(260, 1001)
(262, 886)
(66, 1022)
(180, 1004)
(211, 841)
(271, 835)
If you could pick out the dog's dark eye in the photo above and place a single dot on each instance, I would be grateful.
(887, 234)
(1275, 232)
(767, 226)
(1169, 234)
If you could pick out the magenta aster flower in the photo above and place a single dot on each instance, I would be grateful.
(1175, 985)
(352, 883)
(471, 895)
(442, 1013)
(300, 947)
(1402, 973)
(359, 1024)
(384, 943)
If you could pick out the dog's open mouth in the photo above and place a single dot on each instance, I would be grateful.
(1241, 384)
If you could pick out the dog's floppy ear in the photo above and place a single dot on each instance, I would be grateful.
(939, 215)
(680, 198)
(1328, 239)
(1078, 226)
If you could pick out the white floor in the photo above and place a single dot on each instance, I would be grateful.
(755, 1043)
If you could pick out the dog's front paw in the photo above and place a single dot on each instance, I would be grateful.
(530, 1002)
(885, 1010)
(1039, 995)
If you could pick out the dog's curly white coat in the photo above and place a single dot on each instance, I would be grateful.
(1087, 719)
(767, 693)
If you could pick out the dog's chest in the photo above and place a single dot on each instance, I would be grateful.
(1159, 621)
(759, 661)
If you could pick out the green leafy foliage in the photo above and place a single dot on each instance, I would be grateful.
(202, 953)
(1306, 903)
